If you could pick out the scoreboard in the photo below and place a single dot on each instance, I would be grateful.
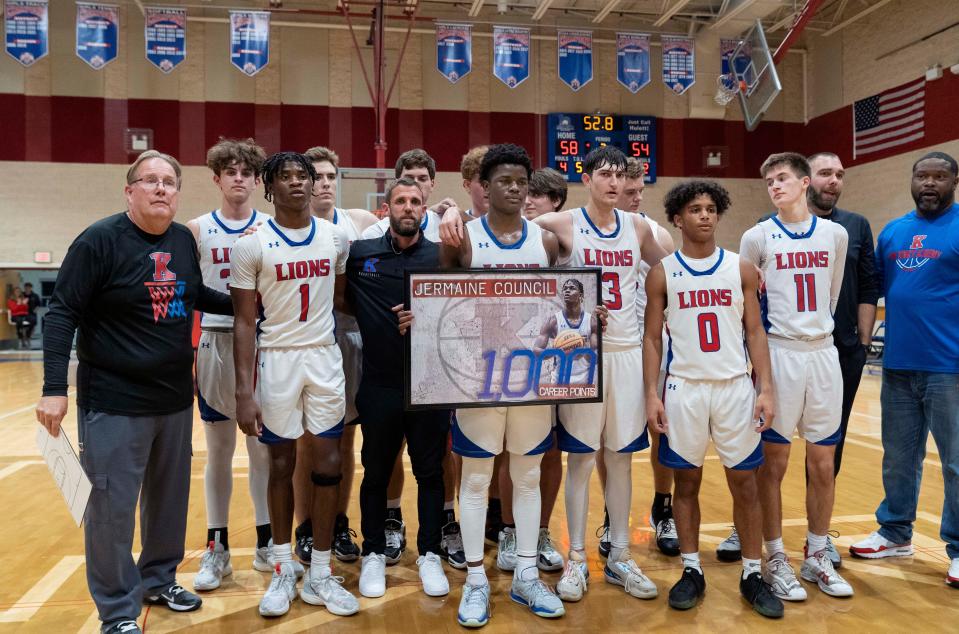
(572, 136)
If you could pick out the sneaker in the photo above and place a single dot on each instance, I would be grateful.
(122, 627)
(434, 579)
(818, 569)
(506, 552)
(451, 546)
(876, 547)
(730, 549)
(626, 573)
(761, 596)
(666, 537)
(474, 606)
(395, 540)
(177, 599)
(344, 548)
(688, 590)
(282, 590)
(548, 559)
(537, 596)
(604, 544)
(373, 576)
(575, 580)
(952, 577)
(214, 565)
(264, 561)
(782, 579)
(329, 591)
(304, 548)
(832, 553)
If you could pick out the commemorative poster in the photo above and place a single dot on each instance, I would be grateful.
(164, 33)
(496, 337)
(454, 50)
(27, 27)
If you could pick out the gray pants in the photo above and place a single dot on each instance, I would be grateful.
(127, 457)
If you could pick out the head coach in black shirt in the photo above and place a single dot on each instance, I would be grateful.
(128, 286)
(375, 293)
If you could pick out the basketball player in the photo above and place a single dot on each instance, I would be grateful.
(288, 265)
(353, 222)
(503, 238)
(709, 301)
(577, 331)
(547, 193)
(470, 171)
(236, 172)
(802, 258)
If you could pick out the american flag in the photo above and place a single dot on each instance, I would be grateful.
(889, 119)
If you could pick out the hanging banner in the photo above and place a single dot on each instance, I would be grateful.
(632, 60)
(250, 40)
(454, 50)
(575, 50)
(679, 63)
(511, 54)
(98, 26)
(27, 29)
(165, 35)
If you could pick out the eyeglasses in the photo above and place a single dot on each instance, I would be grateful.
(152, 183)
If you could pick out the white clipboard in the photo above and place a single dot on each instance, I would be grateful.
(68, 474)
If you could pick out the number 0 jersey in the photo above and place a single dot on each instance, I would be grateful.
(217, 235)
(617, 253)
(704, 317)
(293, 270)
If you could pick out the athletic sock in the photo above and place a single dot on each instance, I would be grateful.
(448, 506)
(522, 565)
(394, 503)
(263, 535)
(814, 543)
(476, 576)
(662, 507)
(218, 535)
(691, 560)
(750, 566)
(320, 564)
(774, 546)
(305, 529)
(282, 553)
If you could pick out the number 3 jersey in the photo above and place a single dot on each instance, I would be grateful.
(293, 270)
(617, 253)
(704, 317)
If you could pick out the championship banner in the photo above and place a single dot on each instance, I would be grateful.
(632, 60)
(679, 63)
(511, 54)
(454, 50)
(27, 29)
(250, 40)
(98, 26)
(496, 337)
(165, 35)
(575, 64)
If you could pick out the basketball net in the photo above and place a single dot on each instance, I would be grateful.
(727, 87)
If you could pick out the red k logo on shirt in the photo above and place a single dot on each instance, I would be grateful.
(917, 242)
(160, 271)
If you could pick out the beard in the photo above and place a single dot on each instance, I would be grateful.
(398, 228)
(816, 199)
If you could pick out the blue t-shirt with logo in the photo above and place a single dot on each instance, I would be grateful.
(917, 262)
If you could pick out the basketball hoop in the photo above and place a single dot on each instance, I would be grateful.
(728, 86)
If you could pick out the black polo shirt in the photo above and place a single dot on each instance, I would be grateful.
(374, 272)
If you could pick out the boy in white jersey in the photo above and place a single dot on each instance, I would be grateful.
(288, 268)
(236, 172)
(601, 235)
(802, 258)
(709, 300)
(353, 222)
(503, 238)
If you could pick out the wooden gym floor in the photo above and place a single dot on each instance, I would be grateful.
(44, 584)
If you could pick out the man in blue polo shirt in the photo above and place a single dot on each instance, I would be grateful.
(917, 263)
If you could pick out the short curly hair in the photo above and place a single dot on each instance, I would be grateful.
(226, 152)
(684, 193)
(504, 154)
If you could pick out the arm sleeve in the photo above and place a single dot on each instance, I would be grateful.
(868, 287)
(839, 266)
(212, 301)
(78, 280)
(751, 246)
(245, 263)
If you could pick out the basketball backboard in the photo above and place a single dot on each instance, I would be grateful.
(755, 70)
(361, 187)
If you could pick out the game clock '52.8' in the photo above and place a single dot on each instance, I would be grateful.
(572, 136)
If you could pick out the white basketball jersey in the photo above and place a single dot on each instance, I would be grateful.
(430, 226)
(216, 240)
(293, 270)
(342, 219)
(617, 253)
(641, 277)
(579, 375)
(798, 269)
(526, 253)
(704, 317)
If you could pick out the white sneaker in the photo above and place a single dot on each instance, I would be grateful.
(730, 549)
(506, 552)
(474, 606)
(434, 579)
(282, 590)
(782, 578)
(537, 596)
(373, 575)
(832, 553)
(548, 558)
(876, 547)
(329, 591)
(575, 580)
(819, 570)
(952, 577)
(214, 565)
(627, 573)
(264, 561)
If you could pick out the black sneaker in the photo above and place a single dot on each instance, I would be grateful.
(451, 546)
(395, 540)
(122, 627)
(177, 599)
(344, 548)
(304, 549)
(688, 590)
(760, 596)
(604, 544)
